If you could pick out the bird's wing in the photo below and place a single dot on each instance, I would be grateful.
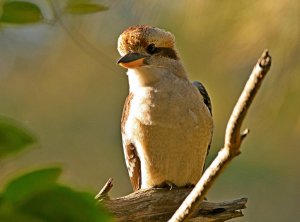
(205, 95)
(131, 157)
(207, 102)
(133, 165)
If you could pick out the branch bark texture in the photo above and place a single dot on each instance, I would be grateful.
(159, 205)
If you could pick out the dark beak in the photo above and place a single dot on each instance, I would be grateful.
(132, 60)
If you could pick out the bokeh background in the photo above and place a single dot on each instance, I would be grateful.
(60, 79)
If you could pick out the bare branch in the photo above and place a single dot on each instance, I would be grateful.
(232, 135)
(233, 139)
(159, 205)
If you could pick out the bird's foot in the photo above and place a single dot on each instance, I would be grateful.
(166, 184)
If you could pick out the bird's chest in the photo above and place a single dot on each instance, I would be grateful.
(161, 107)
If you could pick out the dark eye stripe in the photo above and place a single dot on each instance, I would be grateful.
(151, 49)
(167, 52)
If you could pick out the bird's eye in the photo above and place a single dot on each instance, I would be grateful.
(151, 49)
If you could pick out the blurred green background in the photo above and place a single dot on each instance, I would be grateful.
(60, 79)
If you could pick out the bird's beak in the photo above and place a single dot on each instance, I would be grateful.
(132, 60)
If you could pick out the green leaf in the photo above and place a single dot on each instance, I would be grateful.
(18, 217)
(13, 137)
(21, 188)
(84, 8)
(20, 12)
(61, 203)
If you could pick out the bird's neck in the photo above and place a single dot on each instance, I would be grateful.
(149, 76)
(143, 77)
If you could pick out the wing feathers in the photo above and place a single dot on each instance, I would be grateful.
(131, 156)
(204, 93)
(133, 166)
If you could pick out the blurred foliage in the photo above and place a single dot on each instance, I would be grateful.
(36, 196)
(24, 12)
(20, 12)
(60, 79)
(13, 137)
(84, 8)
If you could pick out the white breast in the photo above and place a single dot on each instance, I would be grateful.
(171, 128)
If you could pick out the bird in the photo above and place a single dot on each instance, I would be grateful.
(166, 124)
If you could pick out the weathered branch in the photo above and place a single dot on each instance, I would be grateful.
(233, 139)
(159, 205)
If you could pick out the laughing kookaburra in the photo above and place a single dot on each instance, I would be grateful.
(166, 123)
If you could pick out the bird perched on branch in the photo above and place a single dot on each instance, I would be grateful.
(166, 123)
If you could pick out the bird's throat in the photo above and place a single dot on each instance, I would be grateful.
(143, 77)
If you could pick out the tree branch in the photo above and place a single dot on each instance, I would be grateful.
(233, 139)
(159, 205)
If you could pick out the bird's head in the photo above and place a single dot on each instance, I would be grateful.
(148, 47)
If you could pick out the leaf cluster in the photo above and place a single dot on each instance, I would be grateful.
(37, 196)
(18, 12)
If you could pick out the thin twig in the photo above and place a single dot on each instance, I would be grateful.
(103, 193)
(233, 139)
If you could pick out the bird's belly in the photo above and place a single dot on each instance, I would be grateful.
(179, 159)
(171, 138)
